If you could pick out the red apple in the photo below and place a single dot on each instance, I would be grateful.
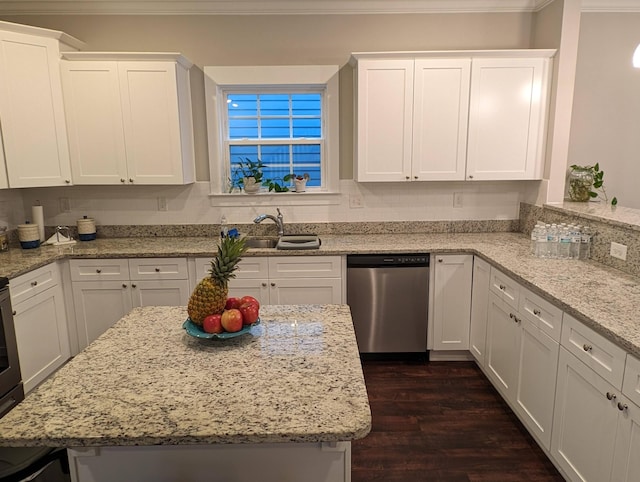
(232, 320)
(250, 313)
(249, 299)
(212, 324)
(232, 303)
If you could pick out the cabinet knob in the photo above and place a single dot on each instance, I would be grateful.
(502, 287)
(272, 283)
(470, 176)
(512, 316)
(586, 347)
(98, 270)
(415, 177)
(124, 285)
(264, 284)
(157, 270)
(14, 313)
(130, 179)
(407, 178)
(133, 285)
(67, 181)
(440, 260)
(516, 319)
(622, 406)
(536, 312)
(122, 180)
(611, 396)
(34, 283)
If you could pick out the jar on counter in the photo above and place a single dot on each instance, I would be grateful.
(86, 229)
(4, 239)
(580, 183)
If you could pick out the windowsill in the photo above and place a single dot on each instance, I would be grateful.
(276, 199)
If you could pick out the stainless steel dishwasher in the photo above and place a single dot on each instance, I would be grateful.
(388, 296)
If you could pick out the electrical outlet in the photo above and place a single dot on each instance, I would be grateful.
(163, 205)
(618, 251)
(457, 199)
(65, 205)
(355, 201)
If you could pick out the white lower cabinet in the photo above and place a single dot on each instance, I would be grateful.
(104, 290)
(40, 323)
(521, 361)
(452, 301)
(285, 280)
(479, 307)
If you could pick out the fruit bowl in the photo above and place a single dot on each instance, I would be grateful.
(196, 331)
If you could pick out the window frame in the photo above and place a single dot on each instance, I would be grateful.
(219, 80)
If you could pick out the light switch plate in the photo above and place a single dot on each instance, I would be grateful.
(618, 251)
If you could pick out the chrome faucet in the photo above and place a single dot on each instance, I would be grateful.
(279, 220)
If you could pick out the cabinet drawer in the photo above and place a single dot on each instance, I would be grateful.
(30, 284)
(631, 383)
(158, 268)
(507, 289)
(99, 269)
(305, 267)
(248, 268)
(598, 353)
(541, 313)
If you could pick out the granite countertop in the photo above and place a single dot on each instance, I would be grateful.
(296, 377)
(604, 298)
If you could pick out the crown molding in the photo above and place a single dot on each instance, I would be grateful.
(292, 7)
(261, 7)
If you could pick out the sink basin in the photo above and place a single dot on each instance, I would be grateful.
(261, 242)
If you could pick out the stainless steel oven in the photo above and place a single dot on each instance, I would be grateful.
(11, 391)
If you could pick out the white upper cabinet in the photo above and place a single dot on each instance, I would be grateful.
(384, 118)
(4, 182)
(31, 107)
(450, 116)
(129, 118)
(507, 118)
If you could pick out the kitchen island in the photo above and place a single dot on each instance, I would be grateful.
(146, 401)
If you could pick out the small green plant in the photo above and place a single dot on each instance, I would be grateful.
(577, 186)
(248, 168)
(274, 184)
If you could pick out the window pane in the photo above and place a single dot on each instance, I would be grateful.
(275, 128)
(306, 159)
(306, 104)
(243, 128)
(242, 105)
(310, 128)
(274, 105)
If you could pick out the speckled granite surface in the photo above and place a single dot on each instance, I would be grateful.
(602, 297)
(295, 378)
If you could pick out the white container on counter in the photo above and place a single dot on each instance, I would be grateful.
(29, 235)
(86, 229)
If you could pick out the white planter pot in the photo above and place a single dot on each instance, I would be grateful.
(301, 185)
(250, 185)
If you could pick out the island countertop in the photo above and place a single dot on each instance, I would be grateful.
(296, 377)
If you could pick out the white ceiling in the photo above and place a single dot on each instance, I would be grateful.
(228, 7)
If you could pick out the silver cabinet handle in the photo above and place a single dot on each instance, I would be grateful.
(511, 315)
(502, 287)
(122, 180)
(158, 270)
(264, 284)
(586, 347)
(34, 283)
(470, 176)
(407, 177)
(98, 271)
(536, 312)
(272, 283)
(622, 406)
(611, 396)
(133, 285)
(68, 181)
(130, 179)
(440, 260)
(124, 285)
(415, 177)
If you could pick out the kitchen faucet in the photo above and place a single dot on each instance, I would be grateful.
(278, 220)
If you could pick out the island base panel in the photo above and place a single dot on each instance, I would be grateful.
(311, 462)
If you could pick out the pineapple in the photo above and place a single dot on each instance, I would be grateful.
(210, 295)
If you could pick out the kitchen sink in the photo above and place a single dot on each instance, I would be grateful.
(261, 242)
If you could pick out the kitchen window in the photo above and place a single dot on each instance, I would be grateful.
(287, 117)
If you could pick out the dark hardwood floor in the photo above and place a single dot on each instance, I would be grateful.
(442, 421)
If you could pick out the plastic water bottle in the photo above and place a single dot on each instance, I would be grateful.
(564, 243)
(576, 241)
(585, 245)
(541, 244)
(552, 241)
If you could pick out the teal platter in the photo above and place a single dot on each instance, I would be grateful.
(196, 331)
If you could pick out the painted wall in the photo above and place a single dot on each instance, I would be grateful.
(276, 40)
(605, 125)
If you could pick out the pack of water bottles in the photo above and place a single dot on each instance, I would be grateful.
(561, 241)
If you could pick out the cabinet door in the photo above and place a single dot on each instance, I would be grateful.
(303, 291)
(41, 335)
(98, 305)
(4, 182)
(440, 115)
(626, 462)
(94, 120)
(452, 301)
(537, 370)
(479, 307)
(584, 421)
(160, 292)
(33, 126)
(506, 118)
(149, 96)
(384, 116)
(258, 288)
(503, 340)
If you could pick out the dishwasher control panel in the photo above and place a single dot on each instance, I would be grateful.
(419, 259)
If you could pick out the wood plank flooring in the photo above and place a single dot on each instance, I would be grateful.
(442, 421)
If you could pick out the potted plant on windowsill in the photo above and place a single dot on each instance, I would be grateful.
(252, 174)
(300, 181)
(586, 183)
